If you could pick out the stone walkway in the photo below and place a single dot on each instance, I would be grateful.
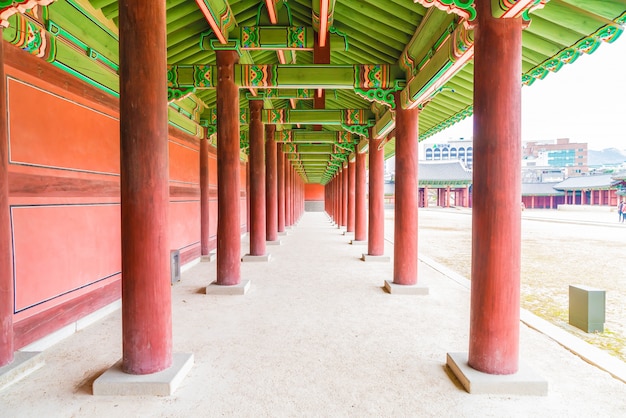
(315, 336)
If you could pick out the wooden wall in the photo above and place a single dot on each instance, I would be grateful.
(64, 196)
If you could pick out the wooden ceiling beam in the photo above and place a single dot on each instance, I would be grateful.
(219, 16)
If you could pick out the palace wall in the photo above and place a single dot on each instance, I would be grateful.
(64, 196)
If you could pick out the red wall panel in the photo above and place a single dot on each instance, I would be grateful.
(185, 225)
(184, 163)
(313, 191)
(58, 249)
(66, 134)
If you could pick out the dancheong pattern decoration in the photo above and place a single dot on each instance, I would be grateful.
(10, 7)
(30, 35)
(373, 83)
(275, 116)
(371, 76)
(463, 8)
(568, 56)
(354, 117)
(296, 37)
(250, 37)
(344, 137)
(516, 8)
(259, 75)
(177, 93)
(244, 116)
(283, 136)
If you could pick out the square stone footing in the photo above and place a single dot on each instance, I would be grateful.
(355, 242)
(525, 382)
(23, 364)
(208, 258)
(114, 382)
(348, 233)
(283, 234)
(277, 242)
(400, 289)
(235, 289)
(256, 258)
(376, 258)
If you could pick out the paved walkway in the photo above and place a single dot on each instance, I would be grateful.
(315, 336)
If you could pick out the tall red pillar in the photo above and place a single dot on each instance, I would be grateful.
(280, 177)
(144, 188)
(271, 184)
(351, 195)
(228, 166)
(204, 197)
(376, 236)
(257, 179)
(288, 219)
(405, 218)
(360, 213)
(496, 220)
(338, 199)
(6, 279)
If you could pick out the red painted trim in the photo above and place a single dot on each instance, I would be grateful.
(271, 11)
(38, 326)
(209, 18)
(324, 5)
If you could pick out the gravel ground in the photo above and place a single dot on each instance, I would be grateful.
(559, 248)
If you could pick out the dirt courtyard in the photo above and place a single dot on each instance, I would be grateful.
(559, 248)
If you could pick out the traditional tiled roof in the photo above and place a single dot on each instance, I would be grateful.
(602, 181)
(443, 172)
(540, 189)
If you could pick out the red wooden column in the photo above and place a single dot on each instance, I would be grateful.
(280, 177)
(360, 215)
(228, 166)
(405, 218)
(425, 196)
(351, 195)
(204, 197)
(496, 220)
(6, 279)
(144, 189)
(337, 198)
(257, 179)
(376, 237)
(288, 219)
(271, 184)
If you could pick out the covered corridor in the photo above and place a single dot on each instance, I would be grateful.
(315, 336)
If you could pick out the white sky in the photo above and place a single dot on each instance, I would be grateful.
(584, 101)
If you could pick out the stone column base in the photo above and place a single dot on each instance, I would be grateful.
(256, 258)
(376, 258)
(208, 258)
(235, 289)
(525, 382)
(400, 289)
(164, 383)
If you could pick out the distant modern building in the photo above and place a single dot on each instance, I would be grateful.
(460, 150)
(571, 156)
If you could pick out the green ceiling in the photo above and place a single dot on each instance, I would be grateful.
(418, 43)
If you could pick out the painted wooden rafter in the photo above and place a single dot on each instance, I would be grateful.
(515, 8)
(11, 7)
(466, 9)
(323, 11)
(219, 16)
